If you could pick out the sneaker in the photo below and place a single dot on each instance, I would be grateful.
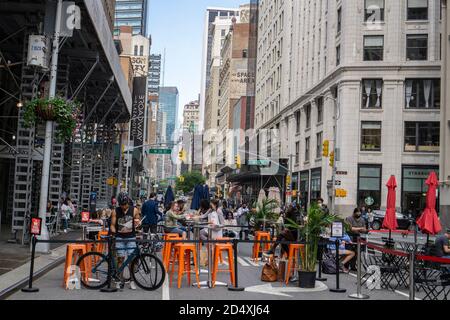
(345, 270)
(132, 285)
(118, 286)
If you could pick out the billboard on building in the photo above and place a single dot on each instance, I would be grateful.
(138, 113)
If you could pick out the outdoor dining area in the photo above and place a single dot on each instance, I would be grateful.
(402, 259)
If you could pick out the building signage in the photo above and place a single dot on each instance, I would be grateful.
(243, 77)
(140, 65)
(36, 226)
(258, 163)
(341, 173)
(38, 51)
(138, 112)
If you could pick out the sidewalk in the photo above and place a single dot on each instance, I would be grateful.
(15, 260)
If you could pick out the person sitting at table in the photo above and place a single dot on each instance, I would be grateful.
(289, 233)
(442, 248)
(357, 224)
(343, 251)
(214, 223)
(172, 218)
(203, 211)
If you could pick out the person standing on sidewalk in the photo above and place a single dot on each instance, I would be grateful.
(124, 220)
(150, 213)
(66, 212)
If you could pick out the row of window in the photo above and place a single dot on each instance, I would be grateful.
(418, 137)
(374, 10)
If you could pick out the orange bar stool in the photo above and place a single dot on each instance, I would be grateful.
(218, 248)
(259, 236)
(100, 247)
(71, 251)
(168, 246)
(220, 253)
(182, 253)
(292, 258)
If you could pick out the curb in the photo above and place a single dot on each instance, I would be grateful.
(22, 283)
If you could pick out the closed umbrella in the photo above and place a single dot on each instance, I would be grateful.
(429, 222)
(198, 193)
(390, 219)
(261, 196)
(169, 196)
(205, 192)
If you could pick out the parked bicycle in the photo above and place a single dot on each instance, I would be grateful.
(146, 269)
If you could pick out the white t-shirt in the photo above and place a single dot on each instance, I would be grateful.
(213, 218)
(66, 211)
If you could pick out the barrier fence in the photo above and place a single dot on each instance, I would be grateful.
(409, 260)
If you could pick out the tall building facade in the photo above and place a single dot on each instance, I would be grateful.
(191, 116)
(369, 71)
(132, 13)
(154, 74)
(168, 105)
(212, 14)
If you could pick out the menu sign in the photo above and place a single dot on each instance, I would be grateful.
(85, 217)
(35, 226)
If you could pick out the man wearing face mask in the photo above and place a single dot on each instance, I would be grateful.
(357, 223)
(323, 206)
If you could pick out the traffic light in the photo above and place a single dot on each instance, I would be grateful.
(181, 178)
(237, 161)
(181, 155)
(326, 148)
(332, 159)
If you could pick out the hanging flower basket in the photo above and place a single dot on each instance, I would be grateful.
(63, 112)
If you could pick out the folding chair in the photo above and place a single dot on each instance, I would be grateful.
(373, 257)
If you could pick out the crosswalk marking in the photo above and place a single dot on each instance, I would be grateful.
(242, 262)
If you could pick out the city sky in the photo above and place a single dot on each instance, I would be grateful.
(178, 26)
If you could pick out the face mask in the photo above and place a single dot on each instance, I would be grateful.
(357, 215)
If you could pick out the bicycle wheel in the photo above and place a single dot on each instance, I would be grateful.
(148, 272)
(96, 275)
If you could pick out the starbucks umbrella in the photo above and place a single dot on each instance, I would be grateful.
(390, 219)
(429, 222)
(169, 196)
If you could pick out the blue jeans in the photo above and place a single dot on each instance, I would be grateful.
(125, 249)
(65, 223)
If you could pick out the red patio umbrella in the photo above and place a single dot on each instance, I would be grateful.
(429, 222)
(390, 219)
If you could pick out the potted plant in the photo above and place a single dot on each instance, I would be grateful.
(263, 212)
(316, 223)
(63, 112)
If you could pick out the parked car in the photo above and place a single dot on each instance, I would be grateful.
(404, 221)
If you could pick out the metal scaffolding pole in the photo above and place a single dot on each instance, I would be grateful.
(45, 247)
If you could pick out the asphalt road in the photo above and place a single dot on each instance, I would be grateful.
(50, 288)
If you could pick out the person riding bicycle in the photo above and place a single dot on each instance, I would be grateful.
(124, 220)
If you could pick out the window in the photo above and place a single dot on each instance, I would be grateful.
(339, 21)
(374, 10)
(297, 152)
(422, 136)
(304, 188)
(244, 53)
(417, 9)
(417, 47)
(369, 185)
(372, 93)
(307, 148)
(371, 136)
(423, 93)
(316, 181)
(141, 51)
(308, 116)
(338, 55)
(297, 122)
(373, 48)
(319, 110)
(135, 50)
(319, 145)
(414, 188)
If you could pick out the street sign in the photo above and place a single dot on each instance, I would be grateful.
(160, 151)
(341, 173)
(258, 163)
(336, 183)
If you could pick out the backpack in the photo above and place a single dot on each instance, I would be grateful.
(329, 264)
